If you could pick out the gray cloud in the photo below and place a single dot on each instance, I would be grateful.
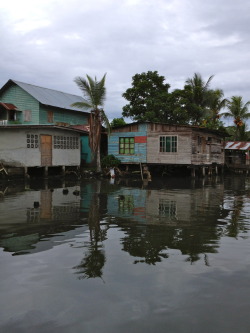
(59, 40)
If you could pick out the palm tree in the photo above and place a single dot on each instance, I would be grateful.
(217, 102)
(94, 93)
(239, 112)
(199, 96)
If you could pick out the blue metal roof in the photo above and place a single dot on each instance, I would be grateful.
(51, 97)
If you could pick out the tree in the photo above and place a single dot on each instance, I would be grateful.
(94, 93)
(147, 98)
(198, 98)
(116, 122)
(239, 112)
(217, 102)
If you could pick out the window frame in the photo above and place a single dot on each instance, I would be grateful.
(173, 144)
(127, 148)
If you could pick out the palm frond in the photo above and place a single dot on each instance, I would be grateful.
(82, 105)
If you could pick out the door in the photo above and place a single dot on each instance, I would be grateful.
(46, 150)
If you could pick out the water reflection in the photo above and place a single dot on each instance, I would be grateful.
(178, 214)
(170, 252)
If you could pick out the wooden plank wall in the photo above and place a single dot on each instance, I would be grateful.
(139, 132)
(183, 154)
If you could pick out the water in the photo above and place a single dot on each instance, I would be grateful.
(172, 255)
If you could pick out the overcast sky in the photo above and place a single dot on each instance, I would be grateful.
(50, 42)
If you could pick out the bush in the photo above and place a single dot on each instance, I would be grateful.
(110, 161)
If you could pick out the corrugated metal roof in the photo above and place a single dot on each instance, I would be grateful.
(51, 97)
(237, 145)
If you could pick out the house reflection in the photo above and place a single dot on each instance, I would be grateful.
(189, 219)
(29, 217)
(168, 206)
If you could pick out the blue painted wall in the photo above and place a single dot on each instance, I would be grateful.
(140, 155)
(86, 155)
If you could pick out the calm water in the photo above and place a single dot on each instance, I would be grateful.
(169, 256)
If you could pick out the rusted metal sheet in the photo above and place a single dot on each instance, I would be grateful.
(237, 145)
(8, 106)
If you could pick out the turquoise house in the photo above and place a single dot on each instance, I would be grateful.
(28, 105)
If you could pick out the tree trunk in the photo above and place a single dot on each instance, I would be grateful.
(98, 158)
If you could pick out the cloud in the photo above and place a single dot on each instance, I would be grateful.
(50, 42)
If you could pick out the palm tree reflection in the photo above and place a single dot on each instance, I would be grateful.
(92, 264)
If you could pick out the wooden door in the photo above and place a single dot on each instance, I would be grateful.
(46, 150)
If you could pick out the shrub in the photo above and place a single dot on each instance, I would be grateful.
(110, 161)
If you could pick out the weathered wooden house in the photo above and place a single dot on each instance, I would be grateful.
(35, 122)
(237, 155)
(155, 144)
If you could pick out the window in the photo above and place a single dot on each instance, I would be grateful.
(32, 140)
(66, 142)
(27, 115)
(126, 146)
(50, 116)
(168, 144)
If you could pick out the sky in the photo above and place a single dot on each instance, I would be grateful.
(50, 42)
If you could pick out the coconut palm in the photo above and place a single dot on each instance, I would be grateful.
(198, 96)
(217, 102)
(239, 112)
(94, 94)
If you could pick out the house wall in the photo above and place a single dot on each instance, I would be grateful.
(139, 132)
(184, 148)
(14, 151)
(194, 146)
(23, 101)
(62, 116)
(207, 148)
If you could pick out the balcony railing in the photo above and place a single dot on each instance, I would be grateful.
(4, 122)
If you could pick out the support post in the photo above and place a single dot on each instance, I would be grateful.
(46, 169)
(193, 172)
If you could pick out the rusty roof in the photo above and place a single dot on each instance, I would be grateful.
(8, 106)
(237, 145)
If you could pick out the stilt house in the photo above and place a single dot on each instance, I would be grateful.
(156, 144)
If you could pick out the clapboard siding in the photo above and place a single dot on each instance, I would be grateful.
(140, 155)
(183, 154)
(63, 116)
(195, 146)
(23, 101)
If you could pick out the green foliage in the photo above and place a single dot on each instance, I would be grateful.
(110, 161)
(94, 93)
(116, 122)
(239, 112)
(147, 98)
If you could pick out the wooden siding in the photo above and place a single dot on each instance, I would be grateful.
(23, 101)
(140, 155)
(183, 154)
(194, 146)
(207, 148)
(62, 116)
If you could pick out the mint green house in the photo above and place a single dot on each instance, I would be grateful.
(29, 108)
